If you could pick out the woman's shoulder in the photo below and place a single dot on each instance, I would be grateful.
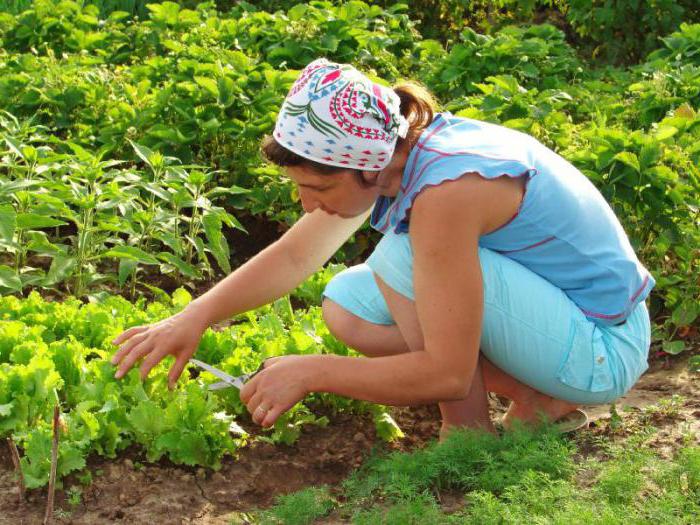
(488, 203)
(452, 135)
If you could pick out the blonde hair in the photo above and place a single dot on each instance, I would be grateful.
(418, 105)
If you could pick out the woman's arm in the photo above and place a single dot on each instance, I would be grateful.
(446, 222)
(279, 268)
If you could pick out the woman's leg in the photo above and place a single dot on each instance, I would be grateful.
(472, 411)
(375, 340)
(537, 348)
(527, 403)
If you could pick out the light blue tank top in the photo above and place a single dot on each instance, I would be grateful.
(564, 231)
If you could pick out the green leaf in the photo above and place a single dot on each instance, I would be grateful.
(143, 152)
(694, 364)
(387, 429)
(34, 220)
(184, 268)
(158, 191)
(37, 241)
(628, 158)
(165, 12)
(131, 252)
(8, 221)
(649, 154)
(209, 84)
(62, 267)
(147, 419)
(15, 146)
(673, 347)
(217, 242)
(665, 132)
(69, 459)
(685, 314)
(126, 268)
(9, 279)
(181, 298)
(6, 409)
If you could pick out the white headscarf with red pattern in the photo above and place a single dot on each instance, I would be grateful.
(335, 115)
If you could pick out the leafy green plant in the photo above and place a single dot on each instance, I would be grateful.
(536, 56)
(53, 351)
(624, 31)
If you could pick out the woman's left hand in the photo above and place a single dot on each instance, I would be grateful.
(281, 384)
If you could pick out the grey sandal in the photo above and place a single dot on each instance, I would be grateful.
(574, 420)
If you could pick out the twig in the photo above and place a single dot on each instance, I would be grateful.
(15, 460)
(54, 462)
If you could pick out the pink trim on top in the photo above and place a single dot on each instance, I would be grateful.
(420, 145)
(614, 316)
(544, 241)
(385, 216)
(465, 152)
(443, 155)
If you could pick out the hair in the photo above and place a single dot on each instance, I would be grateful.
(418, 106)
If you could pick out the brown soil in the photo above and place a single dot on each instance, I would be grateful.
(125, 491)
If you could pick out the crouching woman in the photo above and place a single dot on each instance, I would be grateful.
(501, 267)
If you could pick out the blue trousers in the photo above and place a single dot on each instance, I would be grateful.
(531, 329)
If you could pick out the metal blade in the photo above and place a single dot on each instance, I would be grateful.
(223, 384)
(229, 379)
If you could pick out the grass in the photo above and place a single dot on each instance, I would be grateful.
(523, 477)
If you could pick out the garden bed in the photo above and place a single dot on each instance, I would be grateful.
(130, 490)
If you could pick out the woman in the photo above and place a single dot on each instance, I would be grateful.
(501, 268)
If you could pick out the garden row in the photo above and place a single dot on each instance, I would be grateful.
(58, 354)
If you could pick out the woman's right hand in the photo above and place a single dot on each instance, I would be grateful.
(177, 335)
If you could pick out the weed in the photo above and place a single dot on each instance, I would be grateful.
(666, 408)
(74, 494)
(301, 507)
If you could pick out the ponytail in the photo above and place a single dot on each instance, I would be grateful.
(418, 105)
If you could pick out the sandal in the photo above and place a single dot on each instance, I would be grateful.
(574, 420)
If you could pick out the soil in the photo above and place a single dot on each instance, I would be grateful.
(130, 490)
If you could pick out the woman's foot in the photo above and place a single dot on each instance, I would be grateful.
(530, 410)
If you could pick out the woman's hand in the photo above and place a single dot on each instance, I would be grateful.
(279, 386)
(177, 335)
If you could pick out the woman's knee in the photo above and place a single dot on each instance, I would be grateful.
(340, 322)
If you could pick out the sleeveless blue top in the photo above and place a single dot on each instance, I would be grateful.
(564, 230)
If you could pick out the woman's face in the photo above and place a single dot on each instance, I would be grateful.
(340, 194)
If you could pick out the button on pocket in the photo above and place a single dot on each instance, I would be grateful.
(587, 364)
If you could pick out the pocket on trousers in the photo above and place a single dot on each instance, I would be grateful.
(587, 363)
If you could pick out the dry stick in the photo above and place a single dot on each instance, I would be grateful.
(54, 462)
(15, 460)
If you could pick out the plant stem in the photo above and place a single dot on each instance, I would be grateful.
(18, 467)
(54, 462)
(193, 226)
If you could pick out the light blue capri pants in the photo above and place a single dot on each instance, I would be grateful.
(531, 329)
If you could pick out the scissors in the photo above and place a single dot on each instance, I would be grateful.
(226, 379)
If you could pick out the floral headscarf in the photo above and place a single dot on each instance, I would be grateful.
(335, 115)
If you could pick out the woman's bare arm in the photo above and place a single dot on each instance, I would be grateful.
(279, 268)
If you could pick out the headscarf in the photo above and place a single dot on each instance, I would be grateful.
(335, 115)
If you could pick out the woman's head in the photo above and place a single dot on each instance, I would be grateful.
(338, 127)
